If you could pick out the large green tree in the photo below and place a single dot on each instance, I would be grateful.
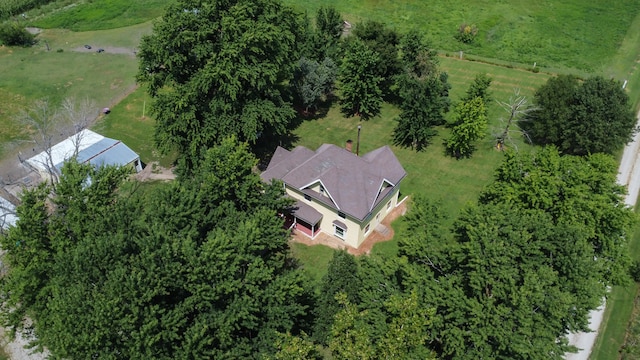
(342, 277)
(314, 81)
(359, 81)
(470, 126)
(197, 268)
(527, 263)
(219, 68)
(423, 94)
(581, 117)
(384, 41)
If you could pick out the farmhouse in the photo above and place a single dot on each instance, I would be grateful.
(88, 147)
(336, 191)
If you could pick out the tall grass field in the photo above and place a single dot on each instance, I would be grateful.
(569, 34)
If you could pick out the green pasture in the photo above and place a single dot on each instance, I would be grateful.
(96, 15)
(67, 70)
(570, 34)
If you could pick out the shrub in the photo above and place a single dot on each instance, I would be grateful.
(634, 271)
(466, 33)
(12, 34)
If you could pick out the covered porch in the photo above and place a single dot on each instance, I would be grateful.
(304, 219)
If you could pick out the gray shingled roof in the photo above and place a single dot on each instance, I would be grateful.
(353, 183)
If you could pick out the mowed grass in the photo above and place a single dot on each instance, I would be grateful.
(441, 178)
(34, 73)
(129, 122)
(314, 259)
(97, 15)
(571, 34)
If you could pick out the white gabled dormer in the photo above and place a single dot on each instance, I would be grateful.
(318, 187)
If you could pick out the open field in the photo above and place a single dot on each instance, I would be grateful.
(568, 34)
(75, 72)
(95, 15)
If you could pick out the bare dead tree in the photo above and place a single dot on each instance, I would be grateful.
(43, 121)
(517, 107)
(49, 124)
(7, 211)
(79, 116)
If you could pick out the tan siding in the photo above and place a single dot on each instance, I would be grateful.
(355, 234)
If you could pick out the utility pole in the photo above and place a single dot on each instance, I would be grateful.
(358, 141)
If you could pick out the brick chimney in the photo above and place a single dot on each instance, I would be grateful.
(349, 145)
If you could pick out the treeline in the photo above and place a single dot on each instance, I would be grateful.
(9, 8)
(200, 268)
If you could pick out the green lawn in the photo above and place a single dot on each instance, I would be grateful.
(314, 259)
(570, 34)
(127, 123)
(34, 73)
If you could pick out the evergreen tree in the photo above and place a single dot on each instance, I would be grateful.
(342, 277)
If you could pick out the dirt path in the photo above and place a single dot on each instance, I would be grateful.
(629, 176)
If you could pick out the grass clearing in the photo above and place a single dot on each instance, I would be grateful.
(314, 259)
(97, 15)
(34, 73)
(127, 123)
(453, 183)
(431, 172)
(566, 35)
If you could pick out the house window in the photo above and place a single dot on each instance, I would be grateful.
(341, 214)
(322, 190)
(307, 197)
(366, 229)
(378, 217)
(388, 205)
(340, 232)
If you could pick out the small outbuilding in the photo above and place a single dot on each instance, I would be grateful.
(88, 147)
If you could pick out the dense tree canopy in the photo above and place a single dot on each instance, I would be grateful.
(359, 81)
(314, 81)
(423, 94)
(219, 68)
(527, 263)
(384, 42)
(194, 269)
(581, 117)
